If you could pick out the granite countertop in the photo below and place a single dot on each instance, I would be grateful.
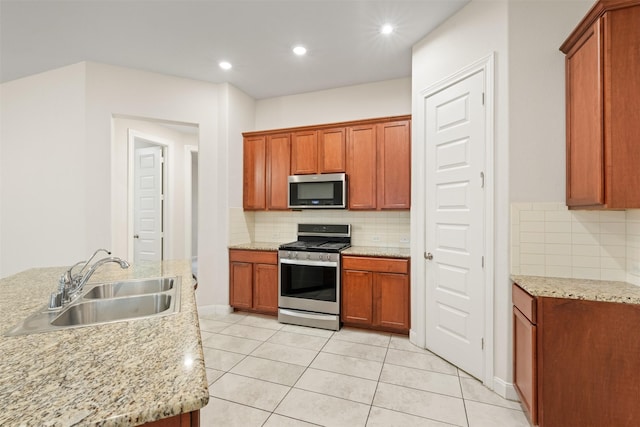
(257, 246)
(378, 251)
(118, 374)
(590, 290)
(353, 250)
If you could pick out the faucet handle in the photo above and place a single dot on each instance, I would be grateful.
(55, 300)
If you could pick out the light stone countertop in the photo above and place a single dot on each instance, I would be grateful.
(257, 246)
(118, 374)
(353, 250)
(583, 289)
(378, 252)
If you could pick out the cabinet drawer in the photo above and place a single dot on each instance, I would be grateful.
(382, 265)
(259, 257)
(524, 302)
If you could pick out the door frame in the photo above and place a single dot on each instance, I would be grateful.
(417, 334)
(189, 150)
(132, 135)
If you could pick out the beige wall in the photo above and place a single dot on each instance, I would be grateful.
(43, 171)
(380, 99)
(478, 30)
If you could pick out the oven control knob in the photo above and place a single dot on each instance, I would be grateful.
(308, 256)
(294, 255)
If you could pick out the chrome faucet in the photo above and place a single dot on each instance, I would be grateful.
(70, 285)
(83, 280)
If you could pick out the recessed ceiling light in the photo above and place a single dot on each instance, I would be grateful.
(225, 65)
(386, 29)
(299, 50)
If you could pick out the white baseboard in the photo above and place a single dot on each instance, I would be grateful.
(505, 389)
(215, 309)
(413, 338)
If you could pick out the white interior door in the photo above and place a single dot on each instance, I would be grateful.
(455, 236)
(147, 237)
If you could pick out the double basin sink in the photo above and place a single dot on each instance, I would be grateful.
(108, 302)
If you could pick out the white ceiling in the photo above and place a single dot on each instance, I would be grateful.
(189, 38)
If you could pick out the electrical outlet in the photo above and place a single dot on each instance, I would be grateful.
(404, 239)
(376, 238)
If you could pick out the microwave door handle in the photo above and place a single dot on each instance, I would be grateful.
(310, 263)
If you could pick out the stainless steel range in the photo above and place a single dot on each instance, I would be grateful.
(309, 276)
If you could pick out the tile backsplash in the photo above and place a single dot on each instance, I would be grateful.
(368, 228)
(547, 239)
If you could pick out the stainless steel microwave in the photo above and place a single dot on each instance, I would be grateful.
(325, 191)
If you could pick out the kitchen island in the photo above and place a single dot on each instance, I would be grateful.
(118, 374)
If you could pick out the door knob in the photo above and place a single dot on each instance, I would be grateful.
(428, 255)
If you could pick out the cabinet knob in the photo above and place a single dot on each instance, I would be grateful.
(428, 255)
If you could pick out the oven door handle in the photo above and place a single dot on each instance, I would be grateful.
(308, 262)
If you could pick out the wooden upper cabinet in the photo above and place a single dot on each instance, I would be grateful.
(374, 153)
(379, 166)
(361, 166)
(321, 151)
(603, 107)
(304, 153)
(332, 148)
(278, 168)
(254, 173)
(394, 165)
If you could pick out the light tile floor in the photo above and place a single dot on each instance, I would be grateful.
(264, 373)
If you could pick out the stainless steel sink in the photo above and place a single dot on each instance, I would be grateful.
(107, 303)
(128, 288)
(108, 310)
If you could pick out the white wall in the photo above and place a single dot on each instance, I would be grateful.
(380, 99)
(125, 92)
(57, 130)
(536, 97)
(241, 118)
(43, 217)
(478, 30)
(529, 121)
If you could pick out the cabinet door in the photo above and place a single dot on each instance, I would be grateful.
(357, 297)
(391, 301)
(361, 166)
(241, 284)
(304, 153)
(254, 173)
(332, 147)
(525, 364)
(278, 167)
(585, 161)
(394, 165)
(622, 106)
(265, 291)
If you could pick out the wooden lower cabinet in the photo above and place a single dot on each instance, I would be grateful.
(253, 280)
(524, 353)
(375, 293)
(576, 362)
(189, 419)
